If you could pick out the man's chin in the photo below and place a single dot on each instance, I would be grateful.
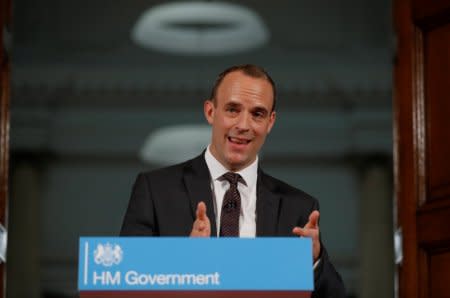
(236, 164)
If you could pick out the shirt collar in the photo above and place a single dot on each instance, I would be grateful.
(216, 169)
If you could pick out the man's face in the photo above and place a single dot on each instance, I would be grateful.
(241, 117)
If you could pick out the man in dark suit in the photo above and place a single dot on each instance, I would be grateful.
(198, 197)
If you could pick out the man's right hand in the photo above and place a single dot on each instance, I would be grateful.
(201, 226)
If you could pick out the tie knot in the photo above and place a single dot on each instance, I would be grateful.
(233, 178)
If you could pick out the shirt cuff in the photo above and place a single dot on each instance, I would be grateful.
(316, 263)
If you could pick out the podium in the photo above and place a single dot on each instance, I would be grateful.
(134, 267)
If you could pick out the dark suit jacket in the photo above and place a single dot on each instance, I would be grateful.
(163, 203)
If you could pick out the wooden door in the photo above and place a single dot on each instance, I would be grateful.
(422, 145)
(5, 21)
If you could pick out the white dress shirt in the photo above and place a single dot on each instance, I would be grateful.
(247, 191)
(247, 218)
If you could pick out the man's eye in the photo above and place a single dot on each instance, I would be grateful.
(258, 114)
(233, 110)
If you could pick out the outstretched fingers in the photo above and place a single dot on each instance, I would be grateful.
(313, 222)
(201, 226)
(201, 211)
(311, 230)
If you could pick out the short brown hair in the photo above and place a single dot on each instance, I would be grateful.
(251, 70)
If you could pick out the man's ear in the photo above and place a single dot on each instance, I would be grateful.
(208, 109)
(273, 116)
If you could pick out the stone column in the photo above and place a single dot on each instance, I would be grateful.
(376, 234)
(23, 233)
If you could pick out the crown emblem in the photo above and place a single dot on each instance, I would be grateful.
(108, 254)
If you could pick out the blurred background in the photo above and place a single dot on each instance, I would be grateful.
(102, 90)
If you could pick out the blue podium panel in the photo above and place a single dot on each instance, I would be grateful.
(160, 265)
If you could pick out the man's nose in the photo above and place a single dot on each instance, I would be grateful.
(243, 122)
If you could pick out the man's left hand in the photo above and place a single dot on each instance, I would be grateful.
(311, 230)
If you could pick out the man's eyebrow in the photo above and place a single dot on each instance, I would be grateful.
(260, 109)
(232, 104)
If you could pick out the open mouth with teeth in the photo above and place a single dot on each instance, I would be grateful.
(238, 141)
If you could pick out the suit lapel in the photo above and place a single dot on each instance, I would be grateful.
(198, 185)
(267, 206)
